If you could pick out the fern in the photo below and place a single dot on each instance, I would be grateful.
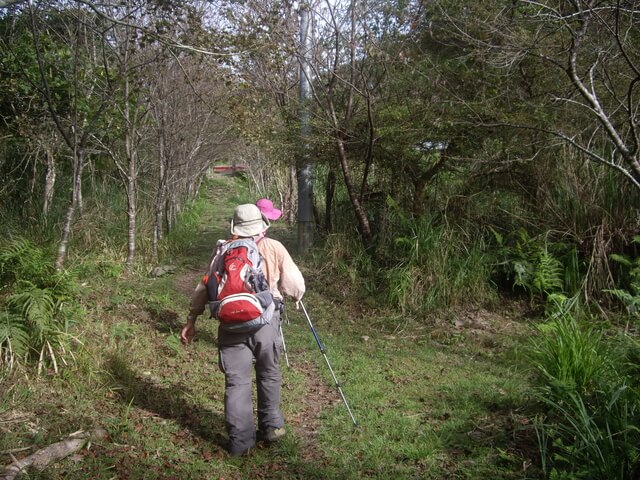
(631, 297)
(31, 323)
(622, 260)
(22, 261)
(535, 265)
(523, 274)
(548, 276)
(14, 339)
(631, 302)
(20, 258)
(38, 308)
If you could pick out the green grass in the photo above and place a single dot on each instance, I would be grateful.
(420, 406)
(432, 400)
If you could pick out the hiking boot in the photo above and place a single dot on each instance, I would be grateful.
(234, 451)
(243, 453)
(274, 434)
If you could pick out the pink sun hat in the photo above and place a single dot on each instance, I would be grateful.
(268, 210)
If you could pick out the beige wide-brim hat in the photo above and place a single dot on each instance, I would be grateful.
(248, 221)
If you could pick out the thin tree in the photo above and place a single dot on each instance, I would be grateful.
(77, 124)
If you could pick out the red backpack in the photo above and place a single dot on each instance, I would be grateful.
(239, 295)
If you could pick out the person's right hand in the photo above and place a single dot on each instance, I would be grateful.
(188, 332)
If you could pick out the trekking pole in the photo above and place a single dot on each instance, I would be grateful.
(286, 316)
(324, 354)
(283, 311)
(284, 346)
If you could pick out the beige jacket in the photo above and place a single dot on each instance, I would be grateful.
(281, 272)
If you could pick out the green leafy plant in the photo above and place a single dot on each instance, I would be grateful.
(173, 344)
(123, 330)
(38, 311)
(592, 439)
(20, 258)
(570, 356)
(350, 261)
(181, 235)
(430, 266)
(14, 339)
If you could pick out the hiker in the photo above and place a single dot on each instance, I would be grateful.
(238, 351)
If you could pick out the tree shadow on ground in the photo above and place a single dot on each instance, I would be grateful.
(504, 428)
(169, 322)
(171, 402)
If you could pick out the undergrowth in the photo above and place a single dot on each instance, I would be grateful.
(424, 267)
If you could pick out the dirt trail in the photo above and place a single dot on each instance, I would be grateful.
(305, 422)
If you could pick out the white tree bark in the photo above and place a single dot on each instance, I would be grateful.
(53, 453)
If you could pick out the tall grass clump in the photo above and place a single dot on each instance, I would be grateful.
(421, 267)
(351, 263)
(188, 222)
(431, 266)
(591, 394)
(37, 304)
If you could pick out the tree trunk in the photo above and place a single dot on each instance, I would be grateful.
(131, 149)
(131, 213)
(420, 183)
(330, 191)
(170, 211)
(340, 127)
(78, 165)
(132, 182)
(361, 216)
(305, 168)
(289, 204)
(161, 194)
(49, 182)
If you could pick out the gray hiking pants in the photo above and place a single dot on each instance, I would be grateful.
(237, 352)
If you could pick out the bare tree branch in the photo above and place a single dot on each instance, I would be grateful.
(169, 42)
(571, 141)
(8, 3)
